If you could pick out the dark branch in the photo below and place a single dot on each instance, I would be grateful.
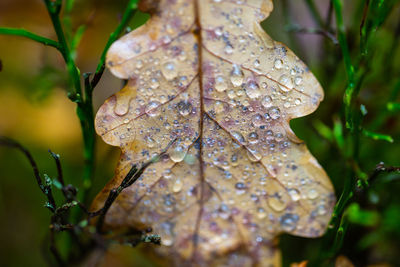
(381, 168)
(132, 176)
(325, 33)
(45, 188)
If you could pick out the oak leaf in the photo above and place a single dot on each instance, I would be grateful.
(204, 77)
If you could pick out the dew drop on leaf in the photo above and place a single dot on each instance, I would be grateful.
(252, 89)
(294, 194)
(253, 138)
(178, 153)
(298, 80)
(312, 194)
(276, 203)
(285, 83)
(220, 84)
(152, 109)
(228, 49)
(169, 70)
(289, 222)
(261, 214)
(178, 185)
(185, 108)
(278, 64)
(267, 101)
(237, 76)
(274, 113)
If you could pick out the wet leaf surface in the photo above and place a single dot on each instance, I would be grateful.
(206, 77)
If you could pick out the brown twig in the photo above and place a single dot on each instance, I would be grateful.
(381, 168)
(322, 32)
(45, 188)
(132, 176)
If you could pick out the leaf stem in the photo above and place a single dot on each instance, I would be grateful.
(53, 9)
(314, 12)
(84, 103)
(30, 35)
(338, 6)
(129, 12)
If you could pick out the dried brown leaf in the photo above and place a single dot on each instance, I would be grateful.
(205, 75)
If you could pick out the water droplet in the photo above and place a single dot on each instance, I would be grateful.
(224, 211)
(169, 71)
(285, 83)
(286, 104)
(236, 76)
(254, 155)
(258, 120)
(152, 46)
(126, 121)
(294, 194)
(184, 108)
(183, 81)
(279, 137)
(188, 141)
(312, 194)
(297, 101)
(139, 64)
(261, 214)
(231, 94)
(267, 101)
(178, 185)
(218, 31)
(253, 138)
(256, 63)
(154, 83)
(220, 84)
(240, 186)
(289, 222)
(276, 204)
(228, 49)
(166, 241)
(298, 80)
(178, 153)
(278, 64)
(219, 107)
(150, 141)
(167, 173)
(274, 113)
(234, 160)
(238, 137)
(163, 99)
(252, 89)
(152, 108)
(240, 92)
(182, 56)
(321, 210)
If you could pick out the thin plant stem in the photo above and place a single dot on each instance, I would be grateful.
(338, 6)
(44, 187)
(84, 103)
(30, 35)
(314, 12)
(129, 12)
(53, 9)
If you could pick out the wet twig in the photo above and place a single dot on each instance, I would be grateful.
(132, 176)
(59, 222)
(44, 187)
(380, 169)
(323, 32)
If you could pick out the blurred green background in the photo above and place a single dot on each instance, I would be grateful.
(35, 111)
